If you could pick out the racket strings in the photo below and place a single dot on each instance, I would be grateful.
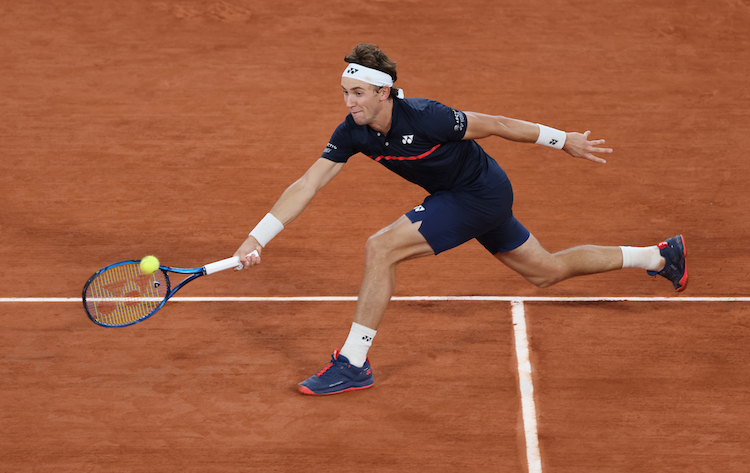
(123, 294)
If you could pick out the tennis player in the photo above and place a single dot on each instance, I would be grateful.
(470, 197)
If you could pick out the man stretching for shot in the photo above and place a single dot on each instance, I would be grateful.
(470, 197)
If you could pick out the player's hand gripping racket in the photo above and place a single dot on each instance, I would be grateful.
(120, 294)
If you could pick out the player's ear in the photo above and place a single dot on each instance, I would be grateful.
(384, 92)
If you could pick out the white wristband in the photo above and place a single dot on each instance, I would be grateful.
(266, 229)
(551, 137)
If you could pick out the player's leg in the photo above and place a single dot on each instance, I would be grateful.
(349, 369)
(390, 246)
(544, 269)
(398, 242)
(443, 221)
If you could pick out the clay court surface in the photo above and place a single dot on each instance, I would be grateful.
(170, 127)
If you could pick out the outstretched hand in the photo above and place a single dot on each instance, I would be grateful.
(249, 252)
(579, 146)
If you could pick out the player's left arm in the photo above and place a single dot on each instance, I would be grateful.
(480, 125)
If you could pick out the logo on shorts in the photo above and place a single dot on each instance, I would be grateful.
(419, 208)
(407, 139)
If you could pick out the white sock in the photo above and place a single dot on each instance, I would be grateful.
(357, 344)
(647, 257)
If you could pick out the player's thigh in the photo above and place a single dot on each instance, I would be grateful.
(530, 260)
(399, 241)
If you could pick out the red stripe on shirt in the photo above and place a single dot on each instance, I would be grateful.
(407, 158)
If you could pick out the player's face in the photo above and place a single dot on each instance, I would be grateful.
(362, 100)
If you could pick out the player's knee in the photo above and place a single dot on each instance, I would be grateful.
(396, 243)
(377, 247)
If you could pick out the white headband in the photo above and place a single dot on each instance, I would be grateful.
(371, 76)
(367, 74)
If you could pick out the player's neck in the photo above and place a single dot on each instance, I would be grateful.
(383, 120)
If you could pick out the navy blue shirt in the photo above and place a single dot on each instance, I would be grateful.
(424, 146)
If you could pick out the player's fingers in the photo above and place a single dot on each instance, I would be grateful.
(593, 158)
(252, 259)
(246, 259)
(246, 263)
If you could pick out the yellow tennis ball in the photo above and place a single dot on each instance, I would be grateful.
(149, 265)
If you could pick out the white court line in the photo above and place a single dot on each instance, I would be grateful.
(411, 298)
(526, 386)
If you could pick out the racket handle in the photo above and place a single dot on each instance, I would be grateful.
(229, 263)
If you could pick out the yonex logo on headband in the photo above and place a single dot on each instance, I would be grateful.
(369, 75)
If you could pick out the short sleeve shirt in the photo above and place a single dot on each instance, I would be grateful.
(424, 145)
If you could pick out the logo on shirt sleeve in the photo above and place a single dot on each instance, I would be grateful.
(460, 120)
(329, 147)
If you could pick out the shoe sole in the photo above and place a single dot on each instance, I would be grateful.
(310, 392)
(684, 279)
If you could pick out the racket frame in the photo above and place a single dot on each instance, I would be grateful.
(194, 273)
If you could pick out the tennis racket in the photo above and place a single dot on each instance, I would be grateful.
(120, 294)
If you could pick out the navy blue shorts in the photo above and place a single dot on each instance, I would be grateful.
(451, 218)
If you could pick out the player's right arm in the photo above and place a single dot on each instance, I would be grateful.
(293, 201)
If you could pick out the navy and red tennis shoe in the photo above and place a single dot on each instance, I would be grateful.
(674, 251)
(338, 376)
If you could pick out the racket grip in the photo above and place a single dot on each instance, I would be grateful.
(229, 263)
